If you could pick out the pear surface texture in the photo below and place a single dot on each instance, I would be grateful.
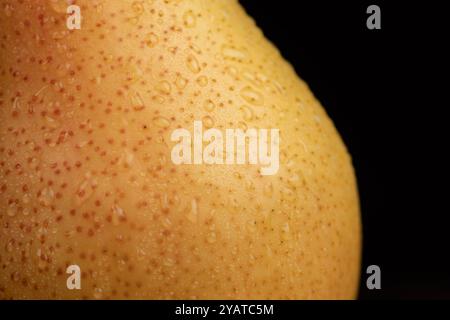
(90, 195)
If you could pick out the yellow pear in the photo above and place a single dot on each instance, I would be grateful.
(93, 204)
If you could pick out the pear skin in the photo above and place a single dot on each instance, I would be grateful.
(86, 176)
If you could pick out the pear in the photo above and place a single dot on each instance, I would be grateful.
(93, 205)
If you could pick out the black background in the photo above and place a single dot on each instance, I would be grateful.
(381, 89)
